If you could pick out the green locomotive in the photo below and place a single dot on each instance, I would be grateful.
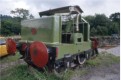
(59, 38)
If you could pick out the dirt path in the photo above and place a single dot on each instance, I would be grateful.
(111, 72)
(115, 50)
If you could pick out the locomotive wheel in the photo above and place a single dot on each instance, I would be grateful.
(87, 55)
(39, 54)
(80, 59)
(11, 46)
(60, 69)
(23, 48)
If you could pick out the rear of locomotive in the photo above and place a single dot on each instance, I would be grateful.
(58, 39)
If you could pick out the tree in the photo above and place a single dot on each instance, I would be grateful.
(9, 26)
(115, 23)
(99, 24)
(93, 31)
(115, 17)
(114, 28)
(101, 20)
(90, 19)
(22, 13)
(31, 16)
(102, 30)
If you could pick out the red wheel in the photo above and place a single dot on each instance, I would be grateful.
(24, 46)
(11, 46)
(39, 54)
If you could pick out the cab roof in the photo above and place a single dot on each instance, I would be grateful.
(68, 9)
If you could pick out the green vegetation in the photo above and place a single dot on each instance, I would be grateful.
(10, 58)
(12, 25)
(17, 73)
(21, 72)
(103, 59)
(22, 13)
(100, 24)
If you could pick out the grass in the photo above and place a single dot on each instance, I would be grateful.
(73, 73)
(21, 72)
(10, 58)
(17, 73)
(103, 59)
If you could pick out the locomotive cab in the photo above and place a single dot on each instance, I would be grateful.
(74, 29)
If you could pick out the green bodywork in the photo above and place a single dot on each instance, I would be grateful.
(49, 31)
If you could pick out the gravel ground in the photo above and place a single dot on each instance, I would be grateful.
(111, 72)
(115, 51)
(10, 64)
(101, 73)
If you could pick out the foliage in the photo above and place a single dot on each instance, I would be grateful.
(31, 16)
(22, 13)
(102, 25)
(90, 19)
(10, 26)
(93, 31)
(115, 26)
(102, 30)
(115, 17)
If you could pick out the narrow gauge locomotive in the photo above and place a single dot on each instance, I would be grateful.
(59, 38)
